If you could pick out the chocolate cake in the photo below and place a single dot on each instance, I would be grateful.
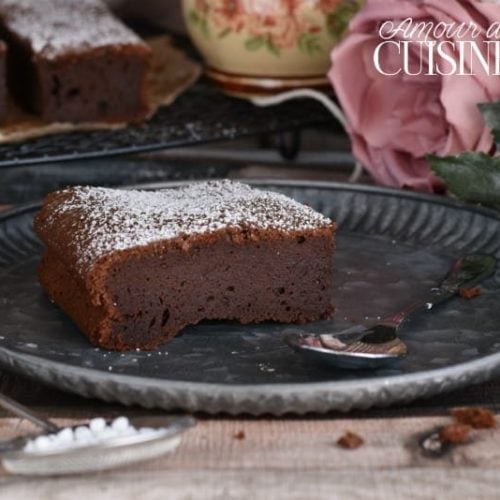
(73, 61)
(3, 81)
(133, 268)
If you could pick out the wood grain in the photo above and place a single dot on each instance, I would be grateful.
(263, 484)
(294, 459)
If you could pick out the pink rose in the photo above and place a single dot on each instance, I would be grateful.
(274, 20)
(202, 6)
(329, 5)
(395, 121)
(228, 14)
(306, 23)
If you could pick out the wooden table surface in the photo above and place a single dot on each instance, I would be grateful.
(293, 457)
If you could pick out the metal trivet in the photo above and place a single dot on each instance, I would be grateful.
(203, 114)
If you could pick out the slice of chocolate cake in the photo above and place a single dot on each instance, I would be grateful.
(73, 61)
(132, 268)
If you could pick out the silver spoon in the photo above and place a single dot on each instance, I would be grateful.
(363, 347)
(106, 454)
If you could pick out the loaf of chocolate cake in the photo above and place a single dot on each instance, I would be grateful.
(73, 61)
(3, 81)
(133, 268)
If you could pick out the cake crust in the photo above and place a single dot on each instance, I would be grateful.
(132, 268)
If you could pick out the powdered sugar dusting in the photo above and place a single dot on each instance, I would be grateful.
(54, 27)
(107, 220)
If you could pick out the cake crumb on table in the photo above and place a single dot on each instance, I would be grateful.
(239, 435)
(469, 293)
(477, 418)
(455, 433)
(350, 441)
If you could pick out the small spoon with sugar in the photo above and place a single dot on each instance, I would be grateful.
(97, 446)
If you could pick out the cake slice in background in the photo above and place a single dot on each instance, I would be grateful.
(133, 268)
(74, 61)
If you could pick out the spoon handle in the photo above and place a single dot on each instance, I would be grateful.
(23, 412)
(466, 271)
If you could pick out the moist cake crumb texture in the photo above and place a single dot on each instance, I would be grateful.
(81, 27)
(122, 219)
(133, 268)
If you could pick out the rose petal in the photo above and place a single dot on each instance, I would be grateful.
(394, 121)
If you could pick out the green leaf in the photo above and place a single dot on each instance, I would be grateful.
(224, 33)
(200, 21)
(338, 20)
(491, 113)
(301, 42)
(254, 43)
(272, 48)
(204, 27)
(310, 44)
(194, 17)
(473, 177)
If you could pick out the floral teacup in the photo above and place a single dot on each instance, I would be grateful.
(255, 47)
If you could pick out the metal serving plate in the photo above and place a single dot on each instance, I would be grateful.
(392, 246)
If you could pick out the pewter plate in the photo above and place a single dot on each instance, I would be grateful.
(392, 246)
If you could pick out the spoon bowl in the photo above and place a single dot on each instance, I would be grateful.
(358, 355)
